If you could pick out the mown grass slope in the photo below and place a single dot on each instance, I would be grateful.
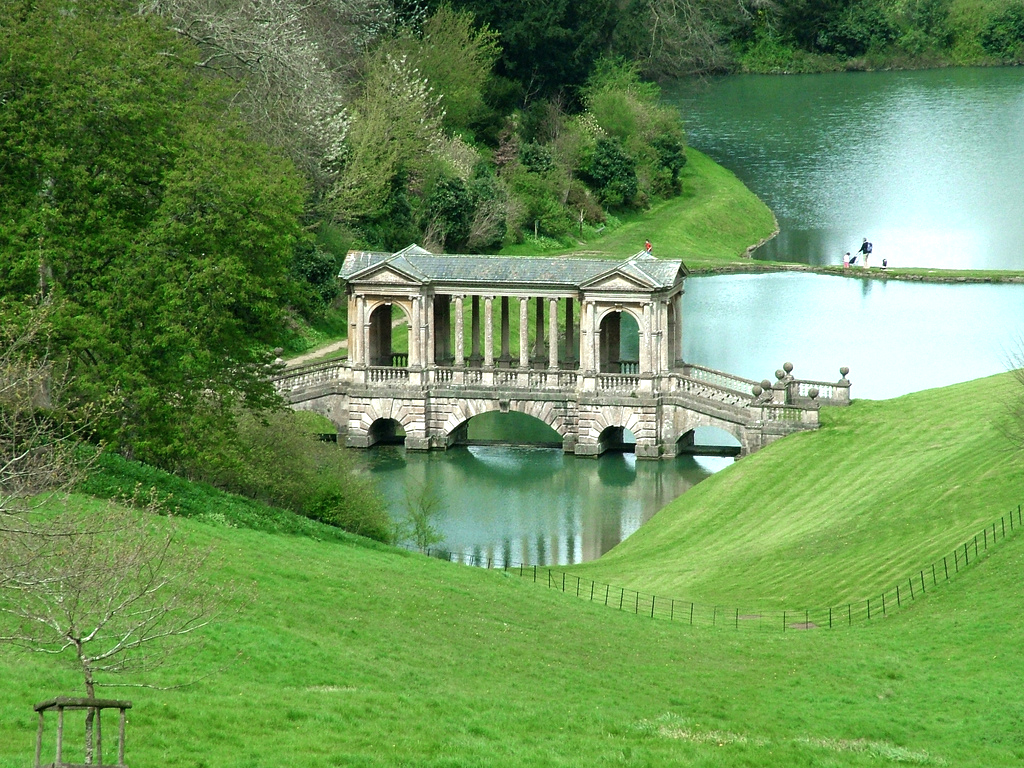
(821, 518)
(711, 224)
(364, 656)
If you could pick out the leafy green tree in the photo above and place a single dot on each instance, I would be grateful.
(450, 212)
(456, 58)
(614, 173)
(164, 233)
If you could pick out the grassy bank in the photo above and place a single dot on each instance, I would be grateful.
(821, 518)
(711, 224)
(357, 656)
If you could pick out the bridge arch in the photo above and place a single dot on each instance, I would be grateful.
(387, 409)
(684, 422)
(545, 411)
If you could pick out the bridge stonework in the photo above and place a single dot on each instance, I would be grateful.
(570, 372)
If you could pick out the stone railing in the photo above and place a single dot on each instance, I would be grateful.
(617, 382)
(708, 390)
(802, 392)
(382, 374)
(789, 414)
(312, 374)
(719, 379)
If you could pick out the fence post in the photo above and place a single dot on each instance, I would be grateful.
(911, 582)
(737, 618)
(549, 578)
(985, 534)
(883, 605)
(935, 580)
(849, 613)
(592, 585)
(535, 574)
(869, 609)
(691, 614)
(636, 609)
(1002, 524)
(830, 617)
(622, 596)
(563, 581)
(783, 619)
(898, 603)
(607, 589)
(975, 546)
(653, 598)
(922, 582)
(956, 562)
(578, 586)
(714, 615)
(672, 610)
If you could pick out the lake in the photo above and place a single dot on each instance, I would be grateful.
(928, 165)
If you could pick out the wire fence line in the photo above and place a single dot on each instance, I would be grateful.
(874, 608)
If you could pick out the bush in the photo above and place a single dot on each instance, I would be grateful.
(1003, 36)
(614, 173)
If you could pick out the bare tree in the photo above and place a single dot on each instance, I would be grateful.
(112, 592)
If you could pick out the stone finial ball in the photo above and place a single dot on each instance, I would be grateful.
(756, 389)
(787, 367)
(780, 374)
(766, 385)
(843, 371)
(813, 393)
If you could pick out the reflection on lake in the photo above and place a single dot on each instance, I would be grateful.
(929, 165)
(536, 505)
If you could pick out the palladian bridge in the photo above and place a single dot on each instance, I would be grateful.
(590, 347)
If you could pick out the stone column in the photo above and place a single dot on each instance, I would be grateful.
(474, 356)
(460, 339)
(429, 337)
(364, 321)
(538, 346)
(488, 332)
(570, 337)
(414, 334)
(553, 334)
(676, 351)
(664, 363)
(524, 333)
(506, 349)
(646, 341)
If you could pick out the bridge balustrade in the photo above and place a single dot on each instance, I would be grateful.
(381, 374)
(829, 393)
(708, 390)
(611, 382)
(719, 378)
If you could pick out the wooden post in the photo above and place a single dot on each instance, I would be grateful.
(60, 735)
(39, 742)
(120, 740)
(99, 737)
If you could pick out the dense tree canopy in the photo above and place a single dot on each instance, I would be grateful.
(163, 236)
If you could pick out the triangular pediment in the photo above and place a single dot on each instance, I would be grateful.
(619, 280)
(387, 274)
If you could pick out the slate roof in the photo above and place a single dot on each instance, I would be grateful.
(558, 272)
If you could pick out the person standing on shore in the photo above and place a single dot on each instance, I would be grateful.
(865, 249)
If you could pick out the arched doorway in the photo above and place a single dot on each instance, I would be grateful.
(389, 337)
(620, 343)
(616, 439)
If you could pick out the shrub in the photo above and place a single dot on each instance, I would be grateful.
(614, 173)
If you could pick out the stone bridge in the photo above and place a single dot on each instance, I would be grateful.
(408, 372)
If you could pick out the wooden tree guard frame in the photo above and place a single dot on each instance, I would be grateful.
(62, 703)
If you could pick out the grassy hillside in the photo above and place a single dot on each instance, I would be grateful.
(364, 656)
(821, 518)
(711, 224)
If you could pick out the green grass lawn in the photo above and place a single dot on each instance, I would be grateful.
(821, 518)
(358, 655)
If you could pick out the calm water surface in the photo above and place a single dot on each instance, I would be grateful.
(927, 165)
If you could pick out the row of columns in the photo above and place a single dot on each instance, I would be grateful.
(430, 332)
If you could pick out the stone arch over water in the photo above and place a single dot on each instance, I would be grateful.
(545, 411)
